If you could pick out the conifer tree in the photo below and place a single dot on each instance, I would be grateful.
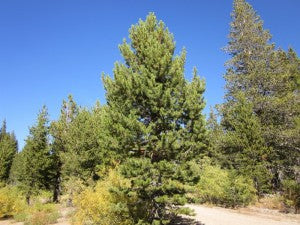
(17, 171)
(38, 158)
(155, 116)
(244, 147)
(59, 131)
(155, 111)
(215, 135)
(267, 77)
(8, 150)
(82, 147)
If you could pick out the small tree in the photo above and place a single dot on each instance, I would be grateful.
(243, 145)
(38, 158)
(8, 150)
(59, 132)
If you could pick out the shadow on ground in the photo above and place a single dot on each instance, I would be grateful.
(185, 221)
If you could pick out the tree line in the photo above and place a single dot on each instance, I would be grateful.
(152, 126)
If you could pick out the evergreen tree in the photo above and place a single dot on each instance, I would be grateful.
(267, 77)
(17, 171)
(82, 147)
(244, 147)
(38, 158)
(8, 150)
(215, 136)
(154, 114)
(59, 132)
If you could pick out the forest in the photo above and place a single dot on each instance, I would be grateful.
(149, 150)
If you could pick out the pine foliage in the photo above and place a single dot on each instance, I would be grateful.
(8, 150)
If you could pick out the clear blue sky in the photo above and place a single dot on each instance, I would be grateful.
(51, 48)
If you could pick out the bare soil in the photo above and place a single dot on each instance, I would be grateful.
(211, 215)
(208, 215)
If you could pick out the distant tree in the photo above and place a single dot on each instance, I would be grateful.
(8, 150)
(83, 151)
(215, 136)
(155, 117)
(243, 146)
(38, 158)
(59, 131)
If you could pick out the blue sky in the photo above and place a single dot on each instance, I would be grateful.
(52, 48)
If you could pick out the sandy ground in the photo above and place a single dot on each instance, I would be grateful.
(206, 215)
(219, 216)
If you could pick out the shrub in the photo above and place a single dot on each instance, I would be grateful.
(212, 185)
(291, 194)
(72, 187)
(39, 214)
(240, 191)
(224, 187)
(105, 204)
(42, 218)
(42, 196)
(11, 201)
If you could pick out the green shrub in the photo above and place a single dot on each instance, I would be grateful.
(212, 185)
(11, 201)
(21, 216)
(240, 191)
(291, 194)
(224, 187)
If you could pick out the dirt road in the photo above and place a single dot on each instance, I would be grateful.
(220, 216)
(206, 215)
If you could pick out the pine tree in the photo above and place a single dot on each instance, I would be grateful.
(17, 171)
(80, 145)
(59, 132)
(243, 145)
(215, 135)
(82, 148)
(155, 111)
(8, 150)
(155, 115)
(38, 158)
(267, 77)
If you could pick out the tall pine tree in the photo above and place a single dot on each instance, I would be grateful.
(155, 117)
(267, 78)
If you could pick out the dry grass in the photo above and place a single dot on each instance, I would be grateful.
(274, 202)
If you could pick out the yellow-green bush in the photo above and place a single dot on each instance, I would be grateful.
(105, 204)
(38, 214)
(212, 184)
(11, 201)
(224, 187)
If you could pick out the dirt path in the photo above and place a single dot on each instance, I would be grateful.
(206, 215)
(219, 216)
